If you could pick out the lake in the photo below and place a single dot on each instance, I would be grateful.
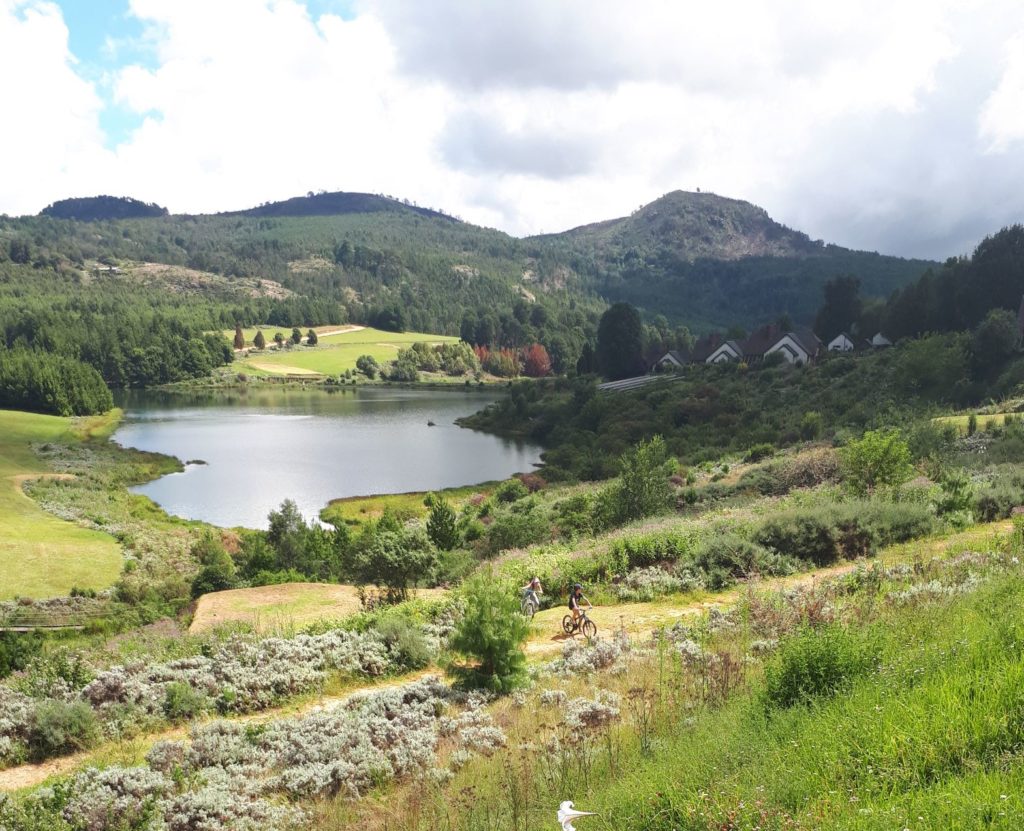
(263, 446)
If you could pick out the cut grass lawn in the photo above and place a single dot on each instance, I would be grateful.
(249, 332)
(281, 608)
(335, 353)
(41, 555)
(986, 421)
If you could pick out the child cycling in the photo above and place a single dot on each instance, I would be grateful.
(532, 591)
(576, 597)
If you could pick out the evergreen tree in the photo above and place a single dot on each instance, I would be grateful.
(239, 337)
(259, 341)
(441, 523)
(296, 336)
(311, 338)
(620, 342)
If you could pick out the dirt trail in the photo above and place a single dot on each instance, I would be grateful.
(28, 776)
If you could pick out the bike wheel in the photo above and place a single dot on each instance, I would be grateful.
(567, 625)
(589, 629)
(530, 610)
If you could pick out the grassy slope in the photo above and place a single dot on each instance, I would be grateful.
(40, 555)
(354, 510)
(336, 353)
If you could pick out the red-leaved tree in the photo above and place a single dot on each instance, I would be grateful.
(536, 361)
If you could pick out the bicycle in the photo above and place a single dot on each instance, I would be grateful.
(529, 605)
(582, 624)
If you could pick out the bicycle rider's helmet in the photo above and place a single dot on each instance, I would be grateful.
(576, 586)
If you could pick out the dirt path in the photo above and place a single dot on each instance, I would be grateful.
(129, 751)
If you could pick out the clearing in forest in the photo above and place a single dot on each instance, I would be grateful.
(334, 353)
(41, 555)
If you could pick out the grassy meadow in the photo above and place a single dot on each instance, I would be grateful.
(334, 354)
(355, 510)
(41, 555)
(984, 421)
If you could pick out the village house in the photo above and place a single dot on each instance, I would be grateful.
(841, 343)
(799, 347)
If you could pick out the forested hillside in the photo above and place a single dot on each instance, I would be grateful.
(134, 293)
(713, 262)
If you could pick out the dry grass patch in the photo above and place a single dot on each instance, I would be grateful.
(283, 607)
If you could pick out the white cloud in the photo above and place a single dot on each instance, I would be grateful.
(51, 142)
(868, 124)
(1002, 117)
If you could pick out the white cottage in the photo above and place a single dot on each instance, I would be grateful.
(669, 362)
(796, 347)
(730, 350)
(879, 341)
(841, 343)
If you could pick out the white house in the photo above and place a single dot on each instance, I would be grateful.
(879, 341)
(796, 347)
(841, 343)
(671, 360)
(728, 351)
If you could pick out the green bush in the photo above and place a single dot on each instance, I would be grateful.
(183, 703)
(511, 490)
(59, 727)
(816, 663)
(516, 529)
(759, 452)
(17, 649)
(724, 557)
(405, 641)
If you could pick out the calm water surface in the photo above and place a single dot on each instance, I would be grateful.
(261, 447)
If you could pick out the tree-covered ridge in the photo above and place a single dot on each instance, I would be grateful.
(91, 208)
(333, 204)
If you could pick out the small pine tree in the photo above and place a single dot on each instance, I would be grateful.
(441, 524)
(296, 336)
(259, 341)
(239, 337)
(278, 338)
(491, 632)
(311, 338)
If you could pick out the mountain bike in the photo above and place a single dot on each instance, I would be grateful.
(582, 624)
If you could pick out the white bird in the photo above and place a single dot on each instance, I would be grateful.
(566, 815)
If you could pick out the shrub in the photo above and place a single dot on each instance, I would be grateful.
(809, 535)
(405, 642)
(182, 702)
(759, 452)
(491, 632)
(59, 727)
(880, 457)
(17, 649)
(517, 528)
(724, 557)
(575, 516)
(441, 523)
(511, 490)
(368, 365)
(643, 487)
(816, 663)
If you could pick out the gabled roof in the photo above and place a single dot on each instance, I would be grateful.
(808, 341)
(761, 340)
(734, 346)
(704, 346)
(679, 357)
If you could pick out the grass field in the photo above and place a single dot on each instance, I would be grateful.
(355, 510)
(280, 608)
(986, 421)
(269, 331)
(41, 555)
(335, 353)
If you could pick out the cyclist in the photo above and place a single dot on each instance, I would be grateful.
(531, 592)
(576, 597)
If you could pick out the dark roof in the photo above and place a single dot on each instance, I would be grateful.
(704, 346)
(674, 353)
(761, 340)
(809, 341)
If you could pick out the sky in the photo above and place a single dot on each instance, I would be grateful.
(889, 125)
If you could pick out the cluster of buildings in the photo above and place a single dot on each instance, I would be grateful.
(798, 346)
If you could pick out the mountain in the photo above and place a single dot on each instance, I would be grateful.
(713, 262)
(694, 226)
(96, 208)
(337, 204)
